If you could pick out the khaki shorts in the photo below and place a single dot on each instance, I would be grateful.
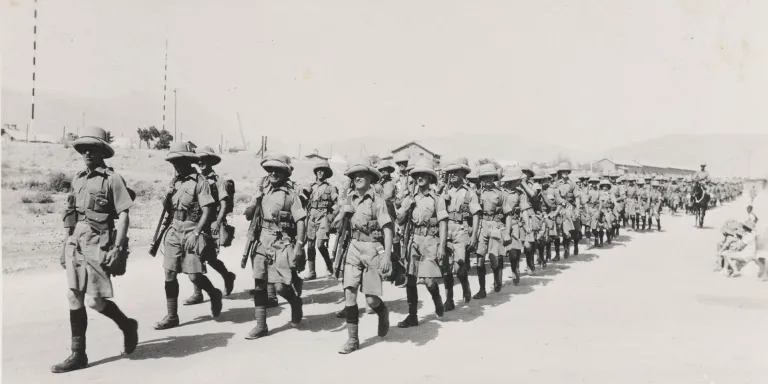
(490, 241)
(363, 267)
(517, 233)
(456, 247)
(271, 261)
(318, 225)
(84, 252)
(424, 262)
(176, 258)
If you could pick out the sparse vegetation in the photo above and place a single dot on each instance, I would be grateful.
(162, 137)
(40, 197)
(59, 182)
(41, 209)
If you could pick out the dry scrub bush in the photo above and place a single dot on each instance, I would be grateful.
(59, 182)
(40, 197)
(41, 209)
(56, 182)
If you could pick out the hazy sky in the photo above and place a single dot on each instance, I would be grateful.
(589, 74)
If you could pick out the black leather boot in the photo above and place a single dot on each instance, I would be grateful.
(77, 360)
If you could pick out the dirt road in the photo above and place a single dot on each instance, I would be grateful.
(648, 309)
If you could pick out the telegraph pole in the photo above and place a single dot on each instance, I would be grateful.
(34, 69)
(174, 113)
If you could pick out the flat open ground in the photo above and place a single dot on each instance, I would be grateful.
(649, 309)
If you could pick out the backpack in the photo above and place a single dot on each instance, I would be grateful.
(229, 186)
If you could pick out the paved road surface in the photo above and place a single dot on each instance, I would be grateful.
(646, 310)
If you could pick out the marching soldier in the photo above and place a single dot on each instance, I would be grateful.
(403, 188)
(549, 220)
(279, 251)
(428, 217)
(643, 202)
(619, 191)
(593, 202)
(188, 242)
(474, 181)
(520, 210)
(322, 199)
(655, 202)
(583, 201)
(207, 159)
(387, 188)
(368, 256)
(568, 212)
(607, 205)
(94, 242)
(530, 193)
(674, 195)
(494, 231)
(463, 210)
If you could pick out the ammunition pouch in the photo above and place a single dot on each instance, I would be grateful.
(320, 204)
(116, 265)
(426, 230)
(193, 215)
(375, 236)
(496, 216)
(460, 216)
(227, 235)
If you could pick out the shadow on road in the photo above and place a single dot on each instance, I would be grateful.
(178, 346)
(321, 283)
(333, 296)
(244, 295)
(580, 258)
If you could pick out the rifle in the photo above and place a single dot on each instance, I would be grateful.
(254, 233)
(407, 240)
(343, 237)
(162, 226)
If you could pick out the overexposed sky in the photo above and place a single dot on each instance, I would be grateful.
(588, 74)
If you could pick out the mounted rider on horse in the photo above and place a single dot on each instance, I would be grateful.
(700, 194)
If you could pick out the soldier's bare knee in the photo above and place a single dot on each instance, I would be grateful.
(75, 299)
(280, 288)
(260, 285)
(194, 276)
(96, 303)
(350, 296)
(170, 275)
(372, 301)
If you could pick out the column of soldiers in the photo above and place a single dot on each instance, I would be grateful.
(416, 228)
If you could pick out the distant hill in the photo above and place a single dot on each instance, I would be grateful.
(726, 155)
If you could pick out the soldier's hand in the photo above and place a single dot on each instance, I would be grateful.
(62, 257)
(215, 229)
(296, 253)
(440, 253)
(190, 243)
(386, 266)
(473, 242)
(111, 256)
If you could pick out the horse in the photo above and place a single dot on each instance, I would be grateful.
(699, 203)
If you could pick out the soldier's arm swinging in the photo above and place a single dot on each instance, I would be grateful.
(121, 227)
(386, 262)
(203, 218)
(475, 228)
(301, 228)
(506, 235)
(224, 205)
(443, 239)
